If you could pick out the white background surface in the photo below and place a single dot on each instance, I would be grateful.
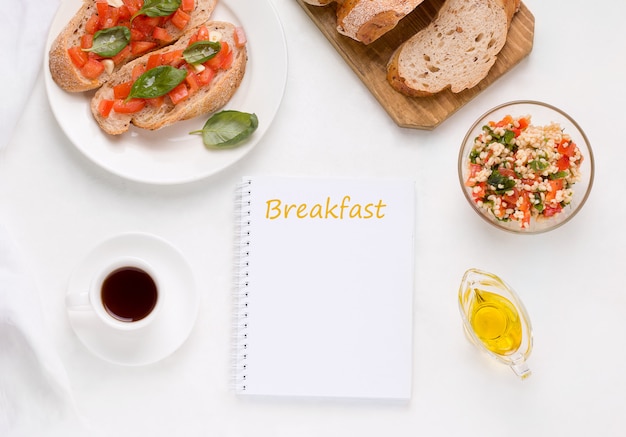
(58, 206)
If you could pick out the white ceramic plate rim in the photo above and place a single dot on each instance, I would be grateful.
(170, 155)
(174, 321)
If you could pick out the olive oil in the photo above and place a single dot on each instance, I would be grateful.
(495, 321)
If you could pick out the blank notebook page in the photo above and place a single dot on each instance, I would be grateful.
(325, 287)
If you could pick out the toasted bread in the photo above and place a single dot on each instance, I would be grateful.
(206, 100)
(455, 51)
(69, 77)
(367, 20)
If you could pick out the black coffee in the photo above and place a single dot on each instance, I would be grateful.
(129, 294)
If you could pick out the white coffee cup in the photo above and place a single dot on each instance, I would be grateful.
(124, 293)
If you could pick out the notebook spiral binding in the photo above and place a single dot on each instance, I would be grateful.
(241, 284)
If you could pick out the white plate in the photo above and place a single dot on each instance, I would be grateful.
(174, 321)
(171, 155)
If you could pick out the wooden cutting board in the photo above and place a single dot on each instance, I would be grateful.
(369, 62)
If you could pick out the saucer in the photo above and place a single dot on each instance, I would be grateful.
(175, 320)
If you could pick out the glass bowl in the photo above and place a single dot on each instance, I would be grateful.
(543, 214)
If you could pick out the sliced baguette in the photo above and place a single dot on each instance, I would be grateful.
(367, 20)
(68, 76)
(455, 51)
(206, 100)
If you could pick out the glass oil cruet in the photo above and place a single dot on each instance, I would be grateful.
(495, 319)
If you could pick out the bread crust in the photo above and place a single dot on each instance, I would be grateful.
(68, 77)
(207, 100)
(368, 20)
(416, 71)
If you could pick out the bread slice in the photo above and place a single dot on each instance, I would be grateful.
(368, 20)
(455, 51)
(68, 76)
(206, 100)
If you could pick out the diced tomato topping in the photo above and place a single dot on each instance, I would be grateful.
(92, 25)
(180, 18)
(240, 37)
(137, 35)
(145, 24)
(202, 34)
(86, 41)
(122, 90)
(173, 58)
(188, 5)
(132, 5)
(92, 69)
(156, 102)
(192, 82)
(139, 47)
(154, 60)
(523, 122)
(103, 13)
(104, 107)
(130, 107)
(112, 18)
(179, 93)
(124, 14)
(221, 58)
(555, 185)
(78, 57)
(122, 56)
(161, 34)
(138, 70)
(205, 76)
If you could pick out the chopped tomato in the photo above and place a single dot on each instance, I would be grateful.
(140, 47)
(523, 122)
(563, 163)
(145, 24)
(505, 121)
(179, 93)
(86, 41)
(156, 102)
(92, 25)
(555, 185)
(180, 18)
(78, 57)
(122, 56)
(103, 13)
(154, 60)
(205, 76)
(507, 172)
(202, 34)
(130, 107)
(479, 194)
(173, 58)
(124, 14)
(161, 34)
(551, 210)
(137, 35)
(122, 90)
(138, 70)
(566, 148)
(511, 199)
(132, 5)
(221, 58)
(192, 82)
(104, 107)
(473, 171)
(92, 69)
(240, 37)
(112, 18)
(188, 5)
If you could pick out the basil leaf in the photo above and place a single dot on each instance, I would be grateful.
(156, 82)
(227, 128)
(158, 8)
(201, 51)
(109, 42)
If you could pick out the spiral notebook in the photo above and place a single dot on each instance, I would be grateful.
(324, 287)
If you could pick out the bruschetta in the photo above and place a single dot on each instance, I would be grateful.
(196, 75)
(104, 35)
